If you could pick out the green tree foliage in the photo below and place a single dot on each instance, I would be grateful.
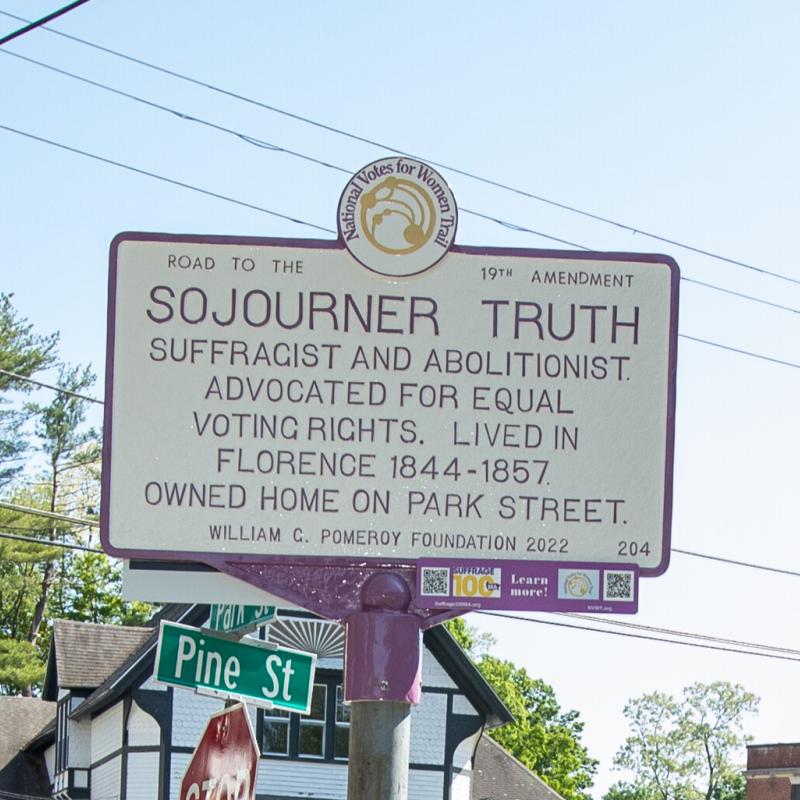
(22, 352)
(685, 749)
(41, 580)
(543, 737)
(68, 448)
(21, 666)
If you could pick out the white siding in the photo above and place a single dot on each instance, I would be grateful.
(142, 728)
(151, 685)
(463, 706)
(178, 765)
(428, 729)
(425, 784)
(462, 757)
(301, 779)
(50, 761)
(461, 788)
(142, 776)
(106, 783)
(433, 674)
(107, 733)
(80, 743)
(190, 715)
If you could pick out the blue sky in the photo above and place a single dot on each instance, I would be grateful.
(679, 119)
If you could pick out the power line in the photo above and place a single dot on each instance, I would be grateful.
(740, 294)
(670, 632)
(164, 179)
(307, 224)
(32, 540)
(698, 645)
(272, 147)
(60, 389)
(38, 512)
(39, 22)
(398, 151)
(264, 145)
(741, 352)
(748, 564)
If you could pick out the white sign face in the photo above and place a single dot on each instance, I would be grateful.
(276, 398)
(189, 583)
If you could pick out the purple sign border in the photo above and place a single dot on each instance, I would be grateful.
(290, 576)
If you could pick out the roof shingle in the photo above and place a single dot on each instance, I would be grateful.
(86, 653)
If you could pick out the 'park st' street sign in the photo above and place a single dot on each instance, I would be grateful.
(254, 671)
(232, 618)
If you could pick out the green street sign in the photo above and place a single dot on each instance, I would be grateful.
(258, 672)
(232, 618)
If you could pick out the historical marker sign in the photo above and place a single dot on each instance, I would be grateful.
(258, 672)
(225, 761)
(445, 402)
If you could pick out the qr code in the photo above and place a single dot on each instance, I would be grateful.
(618, 585)
(435, 581)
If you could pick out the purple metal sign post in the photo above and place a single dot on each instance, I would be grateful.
(383, 658)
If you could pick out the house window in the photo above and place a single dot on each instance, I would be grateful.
(275, 740)
(341, 733)
(322, 734)
(62, 735)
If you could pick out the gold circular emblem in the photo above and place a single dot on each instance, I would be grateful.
(397, 216)
(578, 585)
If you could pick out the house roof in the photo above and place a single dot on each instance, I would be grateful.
(129, 670)
(21, 719)
(468, 677)
(497, 775)
(86, 652)
(123, 672)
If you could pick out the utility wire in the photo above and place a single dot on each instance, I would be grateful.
(741, 352)
(271, 146)
(310, 224)
(37, 512)
(699, 645)
(686, 634)
(398, 151)
(45, 543)
(60, 389)
(39, 22)
(737, 563)
(164, 179)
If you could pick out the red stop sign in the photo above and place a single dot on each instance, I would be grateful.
(225, 760)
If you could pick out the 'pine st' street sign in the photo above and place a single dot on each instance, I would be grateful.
(254, 671)
(232, 618)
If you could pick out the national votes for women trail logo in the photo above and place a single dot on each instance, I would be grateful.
(397, 216)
